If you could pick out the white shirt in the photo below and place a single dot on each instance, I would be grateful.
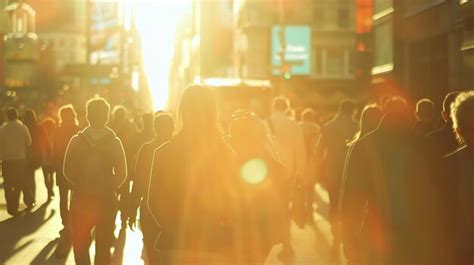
(289, 142)
(14, 139)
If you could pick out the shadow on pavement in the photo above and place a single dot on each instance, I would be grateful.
(46, 257)
(13, 230)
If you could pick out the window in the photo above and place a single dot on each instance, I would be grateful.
(343, 18)
(318, 61)
(334, 61)
(318, 17)
(383, 44)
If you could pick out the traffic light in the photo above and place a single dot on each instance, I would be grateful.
(286, 71)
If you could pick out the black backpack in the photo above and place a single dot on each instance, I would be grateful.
(96, 169)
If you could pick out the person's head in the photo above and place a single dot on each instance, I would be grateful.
(48, 123)
(147, 119)
(29, 117)
(163, 125)
(448, 100)
(370, 118)
(425, 110)
(247, 134)
(395, 104)
(120, 113)
(198, 112)
(347, 108)
(281, 104)
(308, 115)
(12, 114)
(97, 112)
(67, 115)
(462, 113)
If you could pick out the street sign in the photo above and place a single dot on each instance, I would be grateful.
(297, 51)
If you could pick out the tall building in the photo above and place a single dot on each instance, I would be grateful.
(318, 40)
(417, 48)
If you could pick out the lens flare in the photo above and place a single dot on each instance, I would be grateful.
(254, 171)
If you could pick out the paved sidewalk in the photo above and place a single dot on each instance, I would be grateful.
(31, 237)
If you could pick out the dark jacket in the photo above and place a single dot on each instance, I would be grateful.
(386, 196)
(191, 191)
(62, 136)
(460, 178)
(40, 149)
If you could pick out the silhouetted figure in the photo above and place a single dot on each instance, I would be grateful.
(36, 155)
(355, 246)
(164, 127)
(95, 165)
(49, 126)
(386, 188)
(147, 133)
(191, 187)
(460, 171)
(290, 147)
(425, 117)
(311, 133)
(263, 181)
(127, 133)
(14, 140)
(331, 152)
(62, 135)
(443, 140)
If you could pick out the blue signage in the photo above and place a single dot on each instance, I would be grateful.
(297, 52)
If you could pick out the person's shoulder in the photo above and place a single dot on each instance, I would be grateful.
(458, 153)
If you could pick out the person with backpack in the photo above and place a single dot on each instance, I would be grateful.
(96, 167)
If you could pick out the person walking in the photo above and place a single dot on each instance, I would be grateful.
(355, 245)
(36, 155)
(192, 185)
(290, 146)
(331, 154)
(125, 130)
(49, 126)
(311, 132)
(459, 173)
(164, 127)
(96, 167)
(62, 135)
(262, 181)
(14, 141)
(385, 185)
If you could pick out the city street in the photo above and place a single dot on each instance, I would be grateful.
(31, 237)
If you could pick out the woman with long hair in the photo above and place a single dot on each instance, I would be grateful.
(62, 135)
(369, 121)
(191, 185)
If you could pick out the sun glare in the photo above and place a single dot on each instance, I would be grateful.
(157, 21)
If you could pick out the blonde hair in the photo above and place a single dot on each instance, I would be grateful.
(462, 113)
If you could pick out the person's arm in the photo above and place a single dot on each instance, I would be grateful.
(71, 161)
(142, 173)
(27, 136)
(152, 203)
(119, 163)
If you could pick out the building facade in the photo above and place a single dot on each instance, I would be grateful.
(328, 57)
(417, 48)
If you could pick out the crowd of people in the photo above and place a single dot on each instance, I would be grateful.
(400, 187)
